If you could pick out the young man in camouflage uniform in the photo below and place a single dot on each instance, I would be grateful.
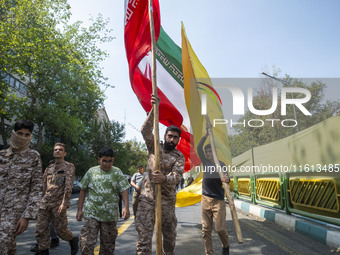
(170, 173)
(58, 181)
(20, 186)
(104, 183)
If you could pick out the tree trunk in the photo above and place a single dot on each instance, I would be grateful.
(40, 136)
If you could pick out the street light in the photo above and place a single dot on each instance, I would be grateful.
(287, 83)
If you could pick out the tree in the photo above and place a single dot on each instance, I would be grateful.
(11, 20)
(128, 155)
(60, 66)
(10, 104)
(248, 136)
(133, 153)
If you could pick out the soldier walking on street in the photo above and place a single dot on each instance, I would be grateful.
(20, 185)
(57, 188)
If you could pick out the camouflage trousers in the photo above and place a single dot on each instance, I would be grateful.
(145, 221)
(88, 236)
(213, 209)
(8, 221)
(42, 228)
(135, 197)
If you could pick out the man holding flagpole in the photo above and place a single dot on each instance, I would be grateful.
(170, 173)
(213, 204)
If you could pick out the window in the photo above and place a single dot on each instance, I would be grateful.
(6, 79)
(12, 82)
(22, 88)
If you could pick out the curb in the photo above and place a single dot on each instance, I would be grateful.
(310, 229)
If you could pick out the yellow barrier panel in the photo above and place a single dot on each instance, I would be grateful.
(243, 186)
(231, 184)
(268, 189)
(314, 194)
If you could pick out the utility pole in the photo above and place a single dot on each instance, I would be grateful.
(287, 83)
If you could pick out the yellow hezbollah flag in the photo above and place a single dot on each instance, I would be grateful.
(197, 85)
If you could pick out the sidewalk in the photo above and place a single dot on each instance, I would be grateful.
(315, 231)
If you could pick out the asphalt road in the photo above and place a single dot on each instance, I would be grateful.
(260, 237)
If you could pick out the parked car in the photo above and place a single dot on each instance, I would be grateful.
(76, 187)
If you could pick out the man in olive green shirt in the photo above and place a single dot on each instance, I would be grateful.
(57, 188)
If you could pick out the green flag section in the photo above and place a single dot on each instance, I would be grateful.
(316, 148)
(197, 85)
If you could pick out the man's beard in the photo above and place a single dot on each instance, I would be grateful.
(169, 146)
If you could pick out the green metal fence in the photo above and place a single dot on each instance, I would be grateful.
(314, 195)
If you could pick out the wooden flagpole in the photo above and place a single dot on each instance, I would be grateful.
(225, 185)
(158, 195)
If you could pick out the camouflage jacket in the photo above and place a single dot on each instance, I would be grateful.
(58, 182)
(20, 183)
(171, 164)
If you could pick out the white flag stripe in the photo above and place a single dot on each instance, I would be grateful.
(170, 87)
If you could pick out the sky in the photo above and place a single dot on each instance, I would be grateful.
(232, 39)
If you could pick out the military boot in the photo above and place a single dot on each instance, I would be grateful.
(225, 251)
(74, 245)
(34, 248)
(54, 242)
(44, 252)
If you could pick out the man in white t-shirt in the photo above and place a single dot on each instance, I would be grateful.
(136, 181)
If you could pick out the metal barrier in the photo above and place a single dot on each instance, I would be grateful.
(243, 186)
(269, 190)
(231, 184)
(314, 195)
(317, 194)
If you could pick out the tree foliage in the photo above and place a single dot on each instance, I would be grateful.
(128, 154)
(132, 154)
(10, 105)
(59, 64)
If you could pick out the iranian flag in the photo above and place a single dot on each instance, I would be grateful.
(170, 80)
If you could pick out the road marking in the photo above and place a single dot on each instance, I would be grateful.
(125, 226)
(121, 230)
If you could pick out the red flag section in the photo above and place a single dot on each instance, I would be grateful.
(137, 31)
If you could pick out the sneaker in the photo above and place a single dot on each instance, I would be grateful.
(34, 248)
(54, 242)
(74, 245)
